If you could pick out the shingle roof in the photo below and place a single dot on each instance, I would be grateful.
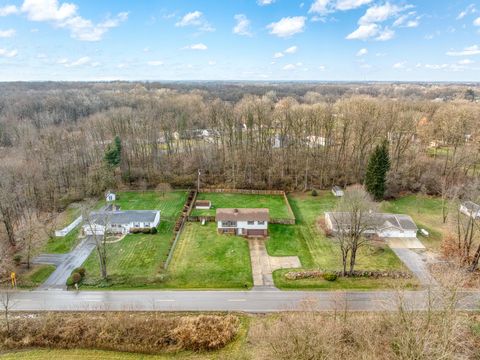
(471, 206)
(242, 215)
(123, 217)
(379, 220)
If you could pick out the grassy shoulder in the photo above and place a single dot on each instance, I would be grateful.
(275, 203)
(35, 276)
(205, 259)
(62, 245)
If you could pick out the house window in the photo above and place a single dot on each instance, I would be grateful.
(251, 222)
(229, 224)
(261, 223)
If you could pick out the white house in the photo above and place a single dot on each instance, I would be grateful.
(383, 225)
(245, 222)
(110, 196)
(471, 209)
(120, 222)
(337, 191)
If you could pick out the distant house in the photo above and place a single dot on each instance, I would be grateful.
(471, 209)
(383, 225)
(337, 191)
(120, 222)
(110, 196)
(245, 222)
(203, 204)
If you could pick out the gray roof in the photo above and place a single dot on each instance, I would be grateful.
(123, 217)
(379, 221)
(471, 206)
(242, 215)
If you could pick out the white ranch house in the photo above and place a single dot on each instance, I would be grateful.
(120, 222)
(471, 209)
(384, 225)
(244, 222)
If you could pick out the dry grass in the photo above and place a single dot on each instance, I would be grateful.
(147, 333)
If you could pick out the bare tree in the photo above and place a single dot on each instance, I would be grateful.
(7, 302)
(163, 188)
(99, 226)
(354, 216)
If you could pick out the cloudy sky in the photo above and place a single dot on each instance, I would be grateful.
(427, 40)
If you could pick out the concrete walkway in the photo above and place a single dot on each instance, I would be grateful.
(65, 263)
(417, 266)
(264, 265)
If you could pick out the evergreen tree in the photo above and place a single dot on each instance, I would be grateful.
(378, 166)
(113, 154)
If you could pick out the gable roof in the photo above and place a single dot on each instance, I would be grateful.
(471, 206)
(379, 221)
(123, 217)
(242, 215)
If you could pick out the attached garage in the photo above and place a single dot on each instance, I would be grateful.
(255, 232)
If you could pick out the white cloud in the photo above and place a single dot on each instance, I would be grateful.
(291, 50)
(8, 10)
(320, 7)
(399, 65)
(322, 68)
(468, 51)
(287, 26)
(278, 55)
(409, 20)
(289, 67)
(265, 2)
(196, 19)
(385, 35)
(350, 4)
(212, 63)
(7, 33)
(380, 13)
(8, 53)
(155, 63)
(242, 27)
(476, 22)
(364, 32)
(81, 61)
(199, 46)
(466, 62)
(324, 7)
(469, 10)
(65, 15)
(362, 52)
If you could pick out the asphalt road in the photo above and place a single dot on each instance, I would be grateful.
(263, 300)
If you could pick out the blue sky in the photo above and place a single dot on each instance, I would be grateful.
(240, 40)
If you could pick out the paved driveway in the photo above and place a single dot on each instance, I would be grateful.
(264, 265)
(417, 266)
(65, 263)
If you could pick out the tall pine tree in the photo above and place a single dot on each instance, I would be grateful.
(113, 154)
(378, 166)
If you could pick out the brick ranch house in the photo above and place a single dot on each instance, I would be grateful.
(244, 222)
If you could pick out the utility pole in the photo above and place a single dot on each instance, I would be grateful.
(198, 181)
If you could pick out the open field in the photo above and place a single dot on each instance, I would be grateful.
(205, 259)
(275, 203)
(137, 260)
(62, 245)
(35, 276)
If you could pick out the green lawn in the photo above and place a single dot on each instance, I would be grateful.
(62, 245)
(137, 260)
(426, 211)
(275, 203)
(205, 259)
(35, 276)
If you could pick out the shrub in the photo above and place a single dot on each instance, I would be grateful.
(81, 271)
(76, 277)
(146, 230)
(153, 230)
(17, 259)
(314, 192)
(329, 276)
(70, 281)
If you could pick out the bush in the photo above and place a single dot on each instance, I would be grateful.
(17, 259)
(314, 192)
(146, 230)
(81, 271)
(70, 281)
(153, 230)
(76, 277)
(330, 276)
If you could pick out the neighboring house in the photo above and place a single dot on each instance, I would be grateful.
(337, 191)
(120, 222)
(110, 196)
(203, 204)
(383, 225)
(471, 209)
(246, 222)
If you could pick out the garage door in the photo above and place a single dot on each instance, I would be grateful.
(255, 232)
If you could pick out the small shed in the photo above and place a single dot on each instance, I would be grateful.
(110, 196)
(203, 204)
(337, 191)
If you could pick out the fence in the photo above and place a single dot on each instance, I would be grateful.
(244, 191)
(73, 225)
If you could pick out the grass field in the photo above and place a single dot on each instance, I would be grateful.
(137, 260)
(62, 245)
(35, 276)
(205, 259)
(426, 211)
(275, 203)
